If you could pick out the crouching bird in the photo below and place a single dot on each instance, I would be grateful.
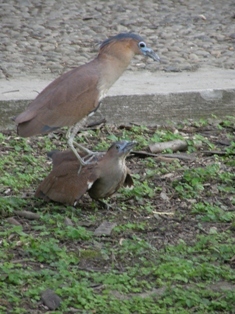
(100, 178)
(73, 96)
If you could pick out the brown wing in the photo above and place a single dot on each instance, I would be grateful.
(67, 156)
(64, 102)
(66, 185)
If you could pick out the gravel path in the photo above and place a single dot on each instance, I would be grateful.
(41, 38)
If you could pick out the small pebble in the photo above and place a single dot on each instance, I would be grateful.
(50, 299)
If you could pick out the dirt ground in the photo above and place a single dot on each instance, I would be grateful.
(163, 213)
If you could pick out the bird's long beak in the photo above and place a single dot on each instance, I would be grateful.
(150, 53)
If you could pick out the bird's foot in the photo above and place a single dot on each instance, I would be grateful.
(104, 204)
(112, 207)
(83, 149)
(92, 157)
(80, 159)
(89, 159)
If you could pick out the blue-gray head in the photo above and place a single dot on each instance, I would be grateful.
(131, 41)
(121, 148)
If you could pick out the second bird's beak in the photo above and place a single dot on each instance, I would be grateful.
(150, 53)
(127, 146)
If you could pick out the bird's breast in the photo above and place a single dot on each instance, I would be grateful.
(109, 182)
(102, 92)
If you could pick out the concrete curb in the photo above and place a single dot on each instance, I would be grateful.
(141, 97)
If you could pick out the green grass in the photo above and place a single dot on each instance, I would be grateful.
(172, 254)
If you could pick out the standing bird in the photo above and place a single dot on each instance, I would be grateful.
(74, 95)
(101, 178)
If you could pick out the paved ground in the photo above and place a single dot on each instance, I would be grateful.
(134, 83)
(41, 38)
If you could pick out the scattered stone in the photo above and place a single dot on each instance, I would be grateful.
(172, 68)
(72, 29)
(68, 222)
(164, 196)
(216, 53)
(50, 299)
(105, 228)
(194, 57)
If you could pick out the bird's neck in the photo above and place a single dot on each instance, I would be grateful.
(113, 164)
(111, 68)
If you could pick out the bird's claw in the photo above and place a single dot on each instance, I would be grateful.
(89, 159)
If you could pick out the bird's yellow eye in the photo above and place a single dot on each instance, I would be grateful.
(142, 44)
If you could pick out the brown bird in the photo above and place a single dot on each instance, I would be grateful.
(101, 178)
(74, 95)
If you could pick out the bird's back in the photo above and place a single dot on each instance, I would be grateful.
(64, 102)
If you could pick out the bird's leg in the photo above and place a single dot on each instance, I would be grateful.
(83, 149)
(70, 143)
(72, 131)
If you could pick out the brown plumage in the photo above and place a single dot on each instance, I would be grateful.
(76, 94)
(101, 178)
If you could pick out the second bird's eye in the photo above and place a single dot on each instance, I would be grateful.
(142, 44)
